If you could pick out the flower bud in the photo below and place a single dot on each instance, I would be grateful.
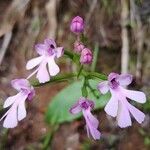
(86, 56)
(77, 25)
(78, 47)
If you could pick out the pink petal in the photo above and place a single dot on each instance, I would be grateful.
(95, 133)
(19, 84)
(103, 87)
(111, 107)
(92, 119)
(59, 51)
(34, 62)
(41, 49)
(75, 108)
(137, 114)
(123, 118)
(42, 74)
(90, 128)
(52, 66)
(9, 101)
(124, 79)
(88, 131)
(49, 42)
(134, 95)
(21, 107)
(112, 76)
(11, 118)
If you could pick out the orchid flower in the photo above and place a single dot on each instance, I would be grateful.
(85, 106)
(118, 105)
(48, 52)
(17, 110)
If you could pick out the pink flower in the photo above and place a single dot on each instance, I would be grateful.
(48, 52)
(86, 106)
(86, 56)
(17, 111)
(77, 25)
(118, 106)
(78, 47)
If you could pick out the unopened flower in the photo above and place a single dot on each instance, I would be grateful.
(78, 47)
(77, 25)
(86, 56)
(85, 106)
(118, 106)
(48, 52)
(17, 110)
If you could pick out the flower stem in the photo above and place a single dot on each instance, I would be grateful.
(69, 54)
(80, 70)
(60, 78)
(96, 75)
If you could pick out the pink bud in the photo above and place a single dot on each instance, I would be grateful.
(78, 47)
(77, 25)
(86, 56)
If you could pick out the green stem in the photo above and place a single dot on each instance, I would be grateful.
(84, 88)
(96, 75)
(80, 70)
(60, 78)
(69, 54)
(94, 91)
(95, 56)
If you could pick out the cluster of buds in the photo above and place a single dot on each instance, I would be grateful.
(77, 27)
(86, 55)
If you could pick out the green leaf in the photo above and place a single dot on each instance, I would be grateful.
(58, 109)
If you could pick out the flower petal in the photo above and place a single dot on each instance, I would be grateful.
(59, 51)
(50, 42)
(137, 114)
(88, 131)
(21, 107)
(41, 49)
(19, 84)
(42, 74)
(93, 131)
(52, 66)
(134, 95)
(11, 118)
(103, 87)
(75, 108)
(123, 117)
(31, 94)
(111, 107)
(10, 100)
(93, 120)
(112, 76)
(124, 79)
(34, 62)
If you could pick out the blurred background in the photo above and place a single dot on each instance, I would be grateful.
(120, 31)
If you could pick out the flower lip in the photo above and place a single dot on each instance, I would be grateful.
(52, 46)
(113, 83)
(85, 104)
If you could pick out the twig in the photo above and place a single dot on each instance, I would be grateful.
(139, 34)
(124, 35)
(52, 18)
(15, 12)
(91, 10)
(6, 41)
